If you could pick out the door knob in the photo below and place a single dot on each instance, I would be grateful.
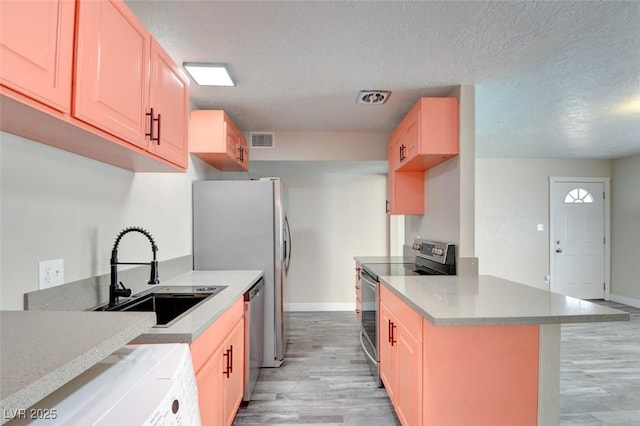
(558, 250)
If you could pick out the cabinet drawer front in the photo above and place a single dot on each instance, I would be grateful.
(409, 318)
(213, 336)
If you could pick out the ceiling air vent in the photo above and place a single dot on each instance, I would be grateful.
(262, 140)
(373, 97)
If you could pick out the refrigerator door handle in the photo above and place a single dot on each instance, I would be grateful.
(287, 244)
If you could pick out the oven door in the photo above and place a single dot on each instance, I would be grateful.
(369, 333)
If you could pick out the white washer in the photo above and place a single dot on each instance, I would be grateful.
(136, 385)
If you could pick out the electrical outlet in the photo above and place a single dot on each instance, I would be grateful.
(51, 273)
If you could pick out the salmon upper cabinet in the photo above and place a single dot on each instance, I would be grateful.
(214, 138)
(429, 134)
(124, 85)
(426, 136)
(125, 102)
(36, 46)
(218, 360)
(169, 97)
(406, 189)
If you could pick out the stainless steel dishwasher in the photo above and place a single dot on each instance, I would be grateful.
(253, 336)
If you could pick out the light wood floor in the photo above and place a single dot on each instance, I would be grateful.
(325, 381)
(600, 372)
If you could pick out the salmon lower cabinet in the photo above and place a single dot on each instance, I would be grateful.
(462, 375)
(218, 360)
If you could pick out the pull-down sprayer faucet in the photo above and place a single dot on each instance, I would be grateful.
(117, 289)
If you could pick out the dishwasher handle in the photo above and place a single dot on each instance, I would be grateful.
(254, 291)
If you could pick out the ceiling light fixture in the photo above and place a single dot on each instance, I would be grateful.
(630, 106)
(206, 74)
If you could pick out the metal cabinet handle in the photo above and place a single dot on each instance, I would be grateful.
(159, 127)
(150, 115)
(393, 334)
(558, 250)
(392, 337)
(152, 120)
(229, 364)
(227, 370)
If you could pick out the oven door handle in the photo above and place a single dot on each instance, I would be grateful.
(364, 349)
(368, 279)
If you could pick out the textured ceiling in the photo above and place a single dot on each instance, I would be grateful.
(551, 78)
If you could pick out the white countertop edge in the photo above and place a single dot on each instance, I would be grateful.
(58, 377)
(465, 320)
(528, 320)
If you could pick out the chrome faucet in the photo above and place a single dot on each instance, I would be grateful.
(117, 289)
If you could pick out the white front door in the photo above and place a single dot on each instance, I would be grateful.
(578, 238)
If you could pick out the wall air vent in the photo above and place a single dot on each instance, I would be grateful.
(373, 97)
(262, 140)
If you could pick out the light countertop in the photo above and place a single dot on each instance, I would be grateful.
(43, 350)
(489, 300)
(188, 328)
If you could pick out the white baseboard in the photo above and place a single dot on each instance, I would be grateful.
(319, 307)
(626, 300)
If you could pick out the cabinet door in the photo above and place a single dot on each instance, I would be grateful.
(408, 394)
(210, 383)
(406, 192)
(387, 351)
(169, 98)
(234, 143)
(36, 46)
(234, 384)
(230, 138)
(112, 70)
(411, 134)
(394, 150)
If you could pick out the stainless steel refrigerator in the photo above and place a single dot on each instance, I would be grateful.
(243, 225)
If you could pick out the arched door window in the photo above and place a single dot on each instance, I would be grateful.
(578, 195)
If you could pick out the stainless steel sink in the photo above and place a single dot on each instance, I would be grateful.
(170, 303)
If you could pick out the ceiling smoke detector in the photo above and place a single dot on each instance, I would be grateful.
(373, 97)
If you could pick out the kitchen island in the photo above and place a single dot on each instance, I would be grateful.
(475, 349)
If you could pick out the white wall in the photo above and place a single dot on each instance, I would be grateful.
(325, 146)
(333, 217)
(625, 230)
(441, 219)
(55, 204)
(512, 198)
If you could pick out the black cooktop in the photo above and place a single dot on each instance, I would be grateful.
(393, 269)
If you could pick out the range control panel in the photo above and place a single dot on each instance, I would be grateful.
(434, 250)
